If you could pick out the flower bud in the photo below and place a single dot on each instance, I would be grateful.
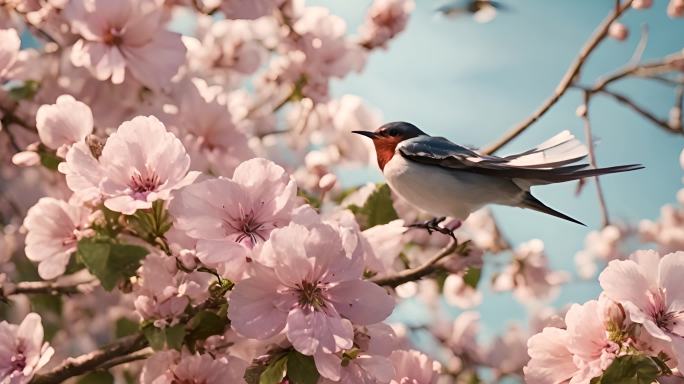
(327, 182)
(675, 8)
(642, 4)
(618, 31)
(612, 312)
(26, 159)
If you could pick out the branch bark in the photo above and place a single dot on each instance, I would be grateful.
(570, 76)
(46, 287)
(416, 273)
(93, 360)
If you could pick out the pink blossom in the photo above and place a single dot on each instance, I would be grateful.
(576, 354)
(170, 367)
(54, 228)
(124, 36)
(9, 50)
(413, 367)
(249, 9)
(529, 276)
(244, 209)
(312, 286)
(605, 245)
(163, 292)
(385, 20)
(651, 291)
(22, 351)
(458, 293)
(321, 37)
(369, 364)
(64, 123)
(140, 164)
(667, 231)
(385, 243)
(507, 354)
(463, 337)
(213, 141)
(642, 4)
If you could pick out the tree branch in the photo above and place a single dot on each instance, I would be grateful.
(605, 220)
(93, 360)
(416, 273)
(570, 76)
(46, 287)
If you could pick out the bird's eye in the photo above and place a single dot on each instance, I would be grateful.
(393, 132)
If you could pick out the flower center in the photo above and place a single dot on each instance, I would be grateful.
(18, 361)
(249, 228)
(311, 295)
(113, 36)
(142, 185)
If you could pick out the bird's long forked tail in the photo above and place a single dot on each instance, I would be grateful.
(532, 202)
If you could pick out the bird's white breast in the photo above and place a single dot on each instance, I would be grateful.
(444, 192)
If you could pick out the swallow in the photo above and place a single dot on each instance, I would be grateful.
(483, 11)
(446, 179)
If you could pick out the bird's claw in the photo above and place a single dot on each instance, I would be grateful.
(432, 225)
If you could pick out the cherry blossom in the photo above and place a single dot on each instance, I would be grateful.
(244, 209)
(124, 36)
(169, 367)
(22, 351)
(386, 19)
(64, 123)
(140, 163)
(653, 296)
(163, 292)
(414, 367)
(249, 9)
(310, 284)
(9, 50)
(54, 228)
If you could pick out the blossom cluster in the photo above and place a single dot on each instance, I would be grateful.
(169, 193)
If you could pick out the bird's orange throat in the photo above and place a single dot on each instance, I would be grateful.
(384, 149)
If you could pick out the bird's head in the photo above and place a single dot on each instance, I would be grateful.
(387, 137)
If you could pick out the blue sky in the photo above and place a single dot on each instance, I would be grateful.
(470, 82)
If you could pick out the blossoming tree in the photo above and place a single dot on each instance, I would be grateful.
(170, 212)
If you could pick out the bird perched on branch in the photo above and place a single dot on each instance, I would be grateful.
(446, 179)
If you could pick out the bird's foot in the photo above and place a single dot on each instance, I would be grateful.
(432, 225)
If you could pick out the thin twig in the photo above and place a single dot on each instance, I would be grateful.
(664, 124)
(605, 220)
(91, 361)
(47, 288)
(676, 113)
(416, 273)
(640, 47)
(570, 76)
(125, 359)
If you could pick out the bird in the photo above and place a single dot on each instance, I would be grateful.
(443, 179)
(482, 11)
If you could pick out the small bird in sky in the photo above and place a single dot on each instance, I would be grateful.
(446, 179)
(482, 11)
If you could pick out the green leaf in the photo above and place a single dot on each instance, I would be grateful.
(49, 160)
(97, 377)
(205, 324)
(175, 336)
(110, 262)
(156, 337)
(377, 210)
(26, 91)
(630, 369)
(125, 327)
(472, 276)
(275, 372)
(301, 369)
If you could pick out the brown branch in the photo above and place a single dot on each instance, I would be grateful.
(94, 360)
(624, 100)
(605, 220)
(416, 273)
(124, 360)
(570, 76)
(46, 287)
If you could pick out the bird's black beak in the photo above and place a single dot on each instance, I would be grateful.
(372, 135)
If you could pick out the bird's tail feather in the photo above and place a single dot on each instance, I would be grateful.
(532, 202)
